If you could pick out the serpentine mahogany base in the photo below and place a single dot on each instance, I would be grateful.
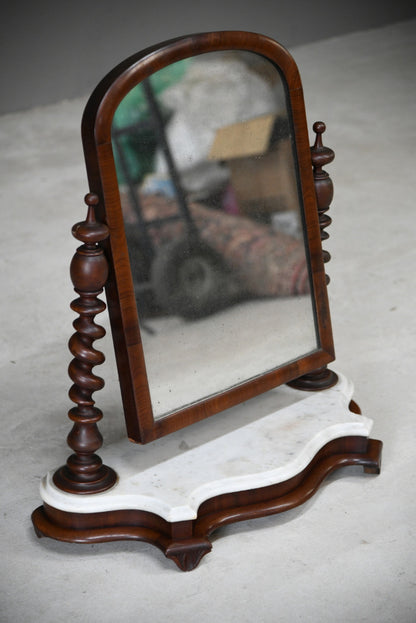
(186, 542)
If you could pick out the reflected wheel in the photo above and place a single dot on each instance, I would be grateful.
(189, 279)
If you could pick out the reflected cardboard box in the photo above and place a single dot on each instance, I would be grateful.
(259, 155)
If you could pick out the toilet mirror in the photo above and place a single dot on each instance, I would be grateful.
(199, 153)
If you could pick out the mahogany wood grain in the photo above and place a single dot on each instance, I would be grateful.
(324, 188)
(187, 542)
(84, 471)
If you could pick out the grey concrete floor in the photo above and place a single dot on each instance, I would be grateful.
(346, 555)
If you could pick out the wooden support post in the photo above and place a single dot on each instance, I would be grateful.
(324, 188)
(320, 156)
(84, 471)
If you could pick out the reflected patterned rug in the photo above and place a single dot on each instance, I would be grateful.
(268, 263)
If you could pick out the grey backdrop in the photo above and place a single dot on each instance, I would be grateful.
(52, 50)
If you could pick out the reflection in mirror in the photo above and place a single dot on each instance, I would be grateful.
(213, 221)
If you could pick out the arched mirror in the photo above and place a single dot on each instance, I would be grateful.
(199, 153)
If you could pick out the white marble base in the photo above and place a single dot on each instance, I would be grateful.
(264, 452)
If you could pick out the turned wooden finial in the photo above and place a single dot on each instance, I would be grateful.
(84, 471)
(89, 231)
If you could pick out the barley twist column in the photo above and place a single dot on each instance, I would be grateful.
(324, 188)
(323, 378)
(84, 471)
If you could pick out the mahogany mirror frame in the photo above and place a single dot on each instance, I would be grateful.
(142, 427)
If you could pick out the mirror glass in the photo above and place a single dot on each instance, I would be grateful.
(213, 219)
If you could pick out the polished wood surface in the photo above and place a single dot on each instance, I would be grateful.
(321, 156)
(186, 542)
(321, 378)
(84, 471)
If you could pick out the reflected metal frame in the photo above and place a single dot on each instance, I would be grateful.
(142, 427)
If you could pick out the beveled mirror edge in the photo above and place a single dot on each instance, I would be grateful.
(96, 133)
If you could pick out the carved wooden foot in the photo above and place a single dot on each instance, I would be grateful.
(187, 556)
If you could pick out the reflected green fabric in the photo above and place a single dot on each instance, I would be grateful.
(139, 146)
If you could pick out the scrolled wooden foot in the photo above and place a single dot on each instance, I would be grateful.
(187, 556)
(373, 464)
